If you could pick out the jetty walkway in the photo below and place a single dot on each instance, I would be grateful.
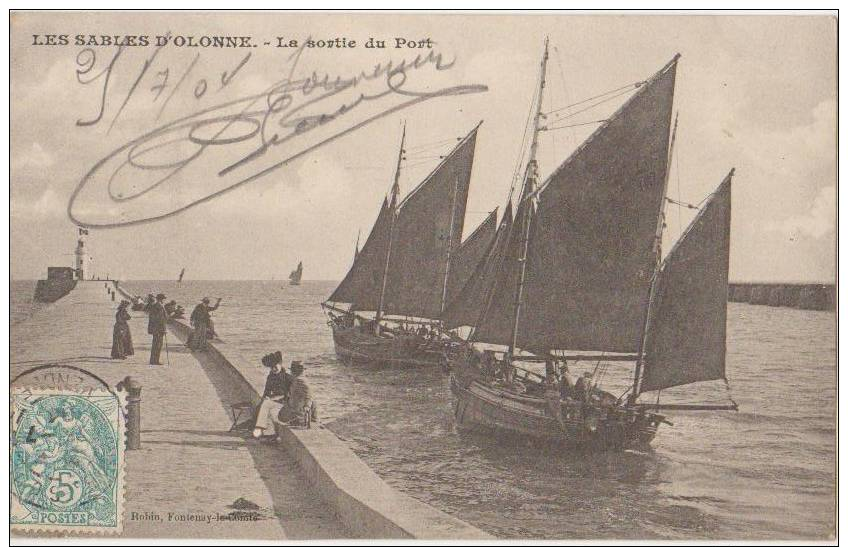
(308, 485)
(189, 465)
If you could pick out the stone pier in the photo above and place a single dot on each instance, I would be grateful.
(189, 463)
(307, 485)
(806, 296)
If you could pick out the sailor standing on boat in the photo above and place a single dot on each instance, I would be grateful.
(583, 388)
(156, 327)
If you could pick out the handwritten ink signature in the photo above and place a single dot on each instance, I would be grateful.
(213, 151)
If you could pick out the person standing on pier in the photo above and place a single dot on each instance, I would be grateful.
(157, 320)
(200, 320)
(122, 345)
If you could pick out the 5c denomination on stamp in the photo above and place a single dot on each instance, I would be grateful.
(66, 461)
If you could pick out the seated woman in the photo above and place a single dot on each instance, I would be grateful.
(274, 397)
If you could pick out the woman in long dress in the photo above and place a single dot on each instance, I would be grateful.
(122, 345)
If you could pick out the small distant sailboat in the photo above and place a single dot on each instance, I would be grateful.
(180, 278)
(297, 273)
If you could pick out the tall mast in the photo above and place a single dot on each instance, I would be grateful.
(356, 249)
(393, 212)
(634, 393)
(530, 178)
(450, 245)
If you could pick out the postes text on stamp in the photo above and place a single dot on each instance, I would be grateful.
(66, 461)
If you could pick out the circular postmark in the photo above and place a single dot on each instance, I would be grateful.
(66, 458)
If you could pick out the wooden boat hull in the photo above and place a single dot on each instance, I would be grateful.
(354, 345)
(481, 406)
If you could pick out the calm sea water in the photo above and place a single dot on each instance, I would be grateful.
(765, 472)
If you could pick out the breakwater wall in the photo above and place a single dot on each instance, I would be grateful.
(366, 504)
(805, 296)
(51, 290)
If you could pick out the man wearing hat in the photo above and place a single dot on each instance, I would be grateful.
(156, 322)
(274, 398)
(200, 320)
(300, 396)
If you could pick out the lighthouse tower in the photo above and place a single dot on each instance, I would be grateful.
(81, 259)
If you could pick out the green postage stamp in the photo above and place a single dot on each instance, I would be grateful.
(67, 452)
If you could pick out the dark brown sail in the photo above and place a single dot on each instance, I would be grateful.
(685, 342)
(466, 307)
(499, 299)
(591, 251)
(428, 230)
(361, 285)
(472, 251)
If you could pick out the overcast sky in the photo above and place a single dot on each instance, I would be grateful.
(754, 93)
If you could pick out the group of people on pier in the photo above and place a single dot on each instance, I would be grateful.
(158, 313)
(287, 397)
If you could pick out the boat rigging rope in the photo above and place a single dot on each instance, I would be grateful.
(425, 157)
(524, 142)
(730, 392)
(590, 107)
(564, 90)
(682, 203)
(547, 128)
(433, 144)
(679, 209)
(623, 89)
(418, 163)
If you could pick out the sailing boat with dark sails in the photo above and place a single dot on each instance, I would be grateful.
(296, 274)
(578, 277)
(412, 262)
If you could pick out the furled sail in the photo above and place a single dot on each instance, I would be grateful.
(591, 252)
(427, 231)
(685, 341)
(466, 307)
(472, 251)
(361, 286)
